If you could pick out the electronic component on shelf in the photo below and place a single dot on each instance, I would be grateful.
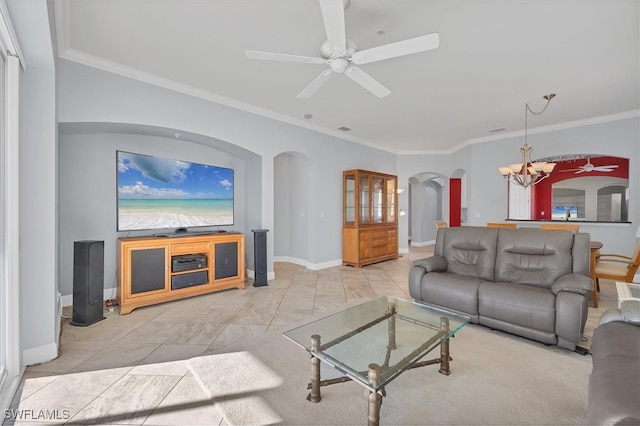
(188, 262)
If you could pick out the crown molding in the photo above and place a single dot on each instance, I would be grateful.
(544, 129)
(116, 68)
(560, 126)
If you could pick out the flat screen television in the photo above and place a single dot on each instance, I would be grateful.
(162, 193)
(564, 213)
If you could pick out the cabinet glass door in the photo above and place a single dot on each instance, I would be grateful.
(349, 199)
(390, 194)
(377, 199)
(364, 199)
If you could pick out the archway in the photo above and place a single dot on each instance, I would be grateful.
(458, 198)
(426, 207)
(291, 198)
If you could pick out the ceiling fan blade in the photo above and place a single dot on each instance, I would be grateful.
(269, 56)
(333, 17)
(605, 168)
(317, 83)
(366, 81)
(400, 48)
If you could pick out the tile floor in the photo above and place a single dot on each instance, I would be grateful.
(131, 369)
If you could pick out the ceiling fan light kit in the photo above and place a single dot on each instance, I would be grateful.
(527, 173)
(342, 56)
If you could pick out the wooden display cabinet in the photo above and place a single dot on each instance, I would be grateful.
(147, 274)
(370, 217)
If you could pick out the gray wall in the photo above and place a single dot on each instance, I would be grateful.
(87, 173)
(39, 319)
(308, 172)
(486, 189)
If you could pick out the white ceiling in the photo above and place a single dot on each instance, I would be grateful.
(494, 56)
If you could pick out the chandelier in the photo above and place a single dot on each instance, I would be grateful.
(527, 173)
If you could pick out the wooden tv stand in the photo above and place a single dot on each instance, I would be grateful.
(146, 275)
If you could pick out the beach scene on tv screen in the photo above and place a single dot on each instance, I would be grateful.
(159, 193)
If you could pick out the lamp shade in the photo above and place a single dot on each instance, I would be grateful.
(516, 168)
(505, 171)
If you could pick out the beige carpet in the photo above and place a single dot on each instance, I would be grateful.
(496, 379)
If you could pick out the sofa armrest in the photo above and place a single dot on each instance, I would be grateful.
(432, 264)
(575, 283)
(629, 311)
(419, 269)
(610, 315)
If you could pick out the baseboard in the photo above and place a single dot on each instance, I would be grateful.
(422, 243)
(108, 293)
(252, 274)
(306, 264)
(40, 354)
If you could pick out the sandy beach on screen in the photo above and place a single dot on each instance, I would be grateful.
(139, 220)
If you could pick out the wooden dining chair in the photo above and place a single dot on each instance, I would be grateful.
(441, 225)
(501, 225)
(560, 227)
(617, 267)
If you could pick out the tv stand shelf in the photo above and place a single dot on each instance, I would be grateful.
(146, 276)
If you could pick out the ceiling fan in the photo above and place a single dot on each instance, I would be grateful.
(588, 167)
(341, 53)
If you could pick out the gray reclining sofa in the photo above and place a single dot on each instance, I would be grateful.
(614, 383)
(529, 282)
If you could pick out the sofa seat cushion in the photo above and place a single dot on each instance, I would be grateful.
(521, 305)
(614, 384)
(458, 293)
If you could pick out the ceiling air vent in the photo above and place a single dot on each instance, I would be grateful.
(344, 129)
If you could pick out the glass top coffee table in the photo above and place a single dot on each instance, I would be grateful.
(375, 342)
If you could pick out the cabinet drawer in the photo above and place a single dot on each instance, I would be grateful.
(381, 233)
(189, 248)
(379, 242)
(379, 251)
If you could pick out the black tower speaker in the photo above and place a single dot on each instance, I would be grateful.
(260, 257)
(88, 282)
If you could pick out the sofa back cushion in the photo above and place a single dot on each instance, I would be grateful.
(470, 251)
(533, 256)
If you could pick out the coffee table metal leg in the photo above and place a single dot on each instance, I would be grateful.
(392, 326)
(444, 347)
(314, 396)
(375, 399)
